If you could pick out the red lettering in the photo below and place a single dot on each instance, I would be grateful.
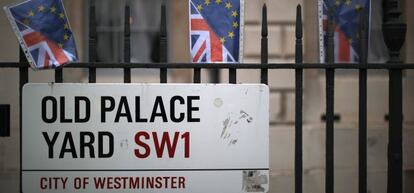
(186, 137)
(134, 183)
(173, 182)
(158, 182)
(150, 183)
(159, 148)
(109, 184)
(99, 182)
(161, 144)
(42, 183)
(142, 144)
(181, 182)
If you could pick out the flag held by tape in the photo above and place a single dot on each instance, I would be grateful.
(216, 30)
(44, 32)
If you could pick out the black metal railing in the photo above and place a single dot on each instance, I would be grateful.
(394, 33)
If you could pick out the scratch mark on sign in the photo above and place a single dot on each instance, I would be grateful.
(227, 123)
(246, 116)
(233, 126)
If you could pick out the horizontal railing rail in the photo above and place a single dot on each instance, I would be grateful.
(354, 66)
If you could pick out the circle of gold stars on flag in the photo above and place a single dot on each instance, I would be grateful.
(357, 6)
(43, 9)
(234, 13)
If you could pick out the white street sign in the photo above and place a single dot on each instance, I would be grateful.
(145, 138)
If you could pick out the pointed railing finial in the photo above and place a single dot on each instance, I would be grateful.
(299, 35)
(127, 43)
(93, 55)
(264, 54)
(92, 32)
(299, 31)
(393, 29)
(127, 34)
(163, 43)
(264, 21)
(163, 34)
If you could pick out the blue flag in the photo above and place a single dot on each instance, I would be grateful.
(44, 33)
(216, 28)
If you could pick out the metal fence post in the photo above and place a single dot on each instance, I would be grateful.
(163, 44)
(330, 88)
(197, 75)
(4, 120)
(127, 44)
(59, 75)
(362, 135)
(264, 54)
(394, 35)
(298, 102)
(23, 79)
(233, 75)
(92, 41)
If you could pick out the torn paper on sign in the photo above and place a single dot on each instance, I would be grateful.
(254, 181)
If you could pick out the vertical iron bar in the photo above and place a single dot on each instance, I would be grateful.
(233, 75)
(92, 41)
(4, 120)
(23, 79)
(197, 75)
(264, 47)
(59, 75)
(330, 84)
(163, 44)
(298, 102)
(127, 44)
(362, 136)
(394, 35)
(215, 76)
(395, 155)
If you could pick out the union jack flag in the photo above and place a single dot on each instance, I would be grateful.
(346, 15)
(216, 28)
(44, 33)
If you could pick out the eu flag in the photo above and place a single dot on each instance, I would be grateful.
(216, 28)
(44, 33)
(347, 24)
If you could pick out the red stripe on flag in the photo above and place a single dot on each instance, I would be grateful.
(35, 38)
(199, 25)
(58, 52)
(216, 49)
(344, 47)
(216, 45)
(200, 52)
